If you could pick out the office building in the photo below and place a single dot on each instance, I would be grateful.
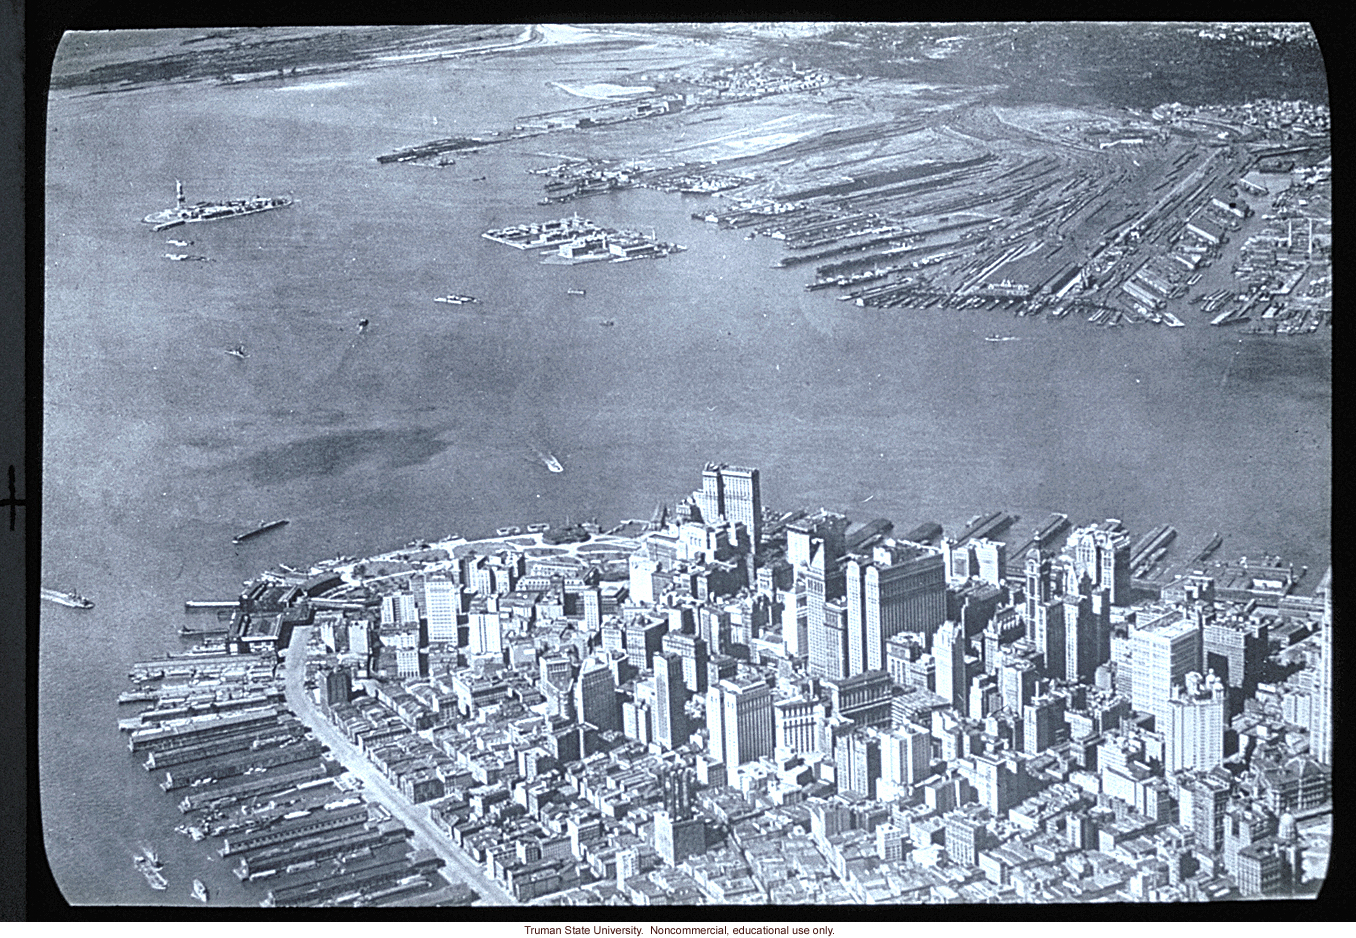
(863, 698)
(1163, 652)
(1042, 724)
(1194, 729)
(906, 756)
(798, 725)
(1082, 639)
(732, 493)
(829, 641)
(1320, 734)
(1037, 588)
(902, 588)
(1102, 553)
(1048, 636)
(595, 696)
(644, 637)
(991, 561)
(953, 682)
(1209, 802)
(857, 758)
(671, 696)
(692, 649)
(746, 724)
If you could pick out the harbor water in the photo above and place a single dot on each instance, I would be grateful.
(158, 447)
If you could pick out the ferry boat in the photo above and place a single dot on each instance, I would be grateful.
(182, 213)
(237, 351)
(263, 528)
(199, 890)
(456, 299)
(72, 599)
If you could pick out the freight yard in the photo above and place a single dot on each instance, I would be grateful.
(901, 195)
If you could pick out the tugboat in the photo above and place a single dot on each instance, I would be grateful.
(199, 891)
(607, 323)
(362, 326)
(238, 351)
(72, 599)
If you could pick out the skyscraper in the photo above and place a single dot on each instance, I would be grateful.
(1102, 552)
(948, 647)
(595, 696)
(671, 726)
(1194, 729)
(1049, 635)
(829, 641)
(748, 725)
(1162, 654)
(991, 559)
(732, 493)
(858, 763)
(901, 589)
(798, 725)
(906, 756)
(1320, 735)
(1037, 584)
(1081, 639)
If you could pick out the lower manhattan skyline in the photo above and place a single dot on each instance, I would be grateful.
(709, 465)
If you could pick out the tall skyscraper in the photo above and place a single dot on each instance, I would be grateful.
(1037, 585)
(1194, 730)
(1049, 635)
(1081, 639)
(1102, 552)
(595, 696)
(1320, 734)
(692, 649)
(829, 641)
(1162, 654)
(671, 726)
(677, 833)
(991, 559)
(948, 647)
(857, 760)
(901, 589)
(748, 725)
(732, 493)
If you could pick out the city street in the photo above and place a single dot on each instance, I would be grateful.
(426, 835)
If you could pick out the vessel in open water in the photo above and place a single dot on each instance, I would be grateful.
(183, 213)
(199, 890)
(263, 528)
(72, 599)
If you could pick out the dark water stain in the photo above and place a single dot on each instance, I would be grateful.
(333, 453)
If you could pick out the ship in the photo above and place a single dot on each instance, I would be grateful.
(199, 890)
(263, 528)
(608, 322)
(178, 242)
(185, 257)
(237, 351)
(1211, 546)
(573, 292)
(362, 326)
(148, 864)
(71, 599)
(551, 462)
(456, 299)
(183, 213)
(995, 337)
